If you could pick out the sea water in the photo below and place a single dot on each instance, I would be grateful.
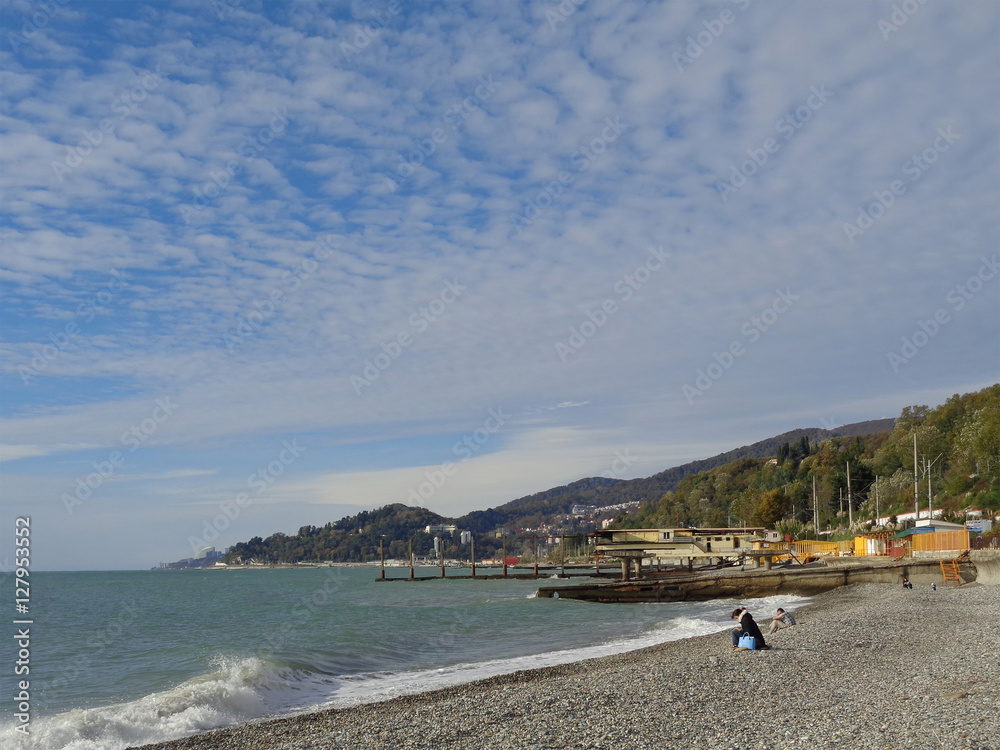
(127, 658)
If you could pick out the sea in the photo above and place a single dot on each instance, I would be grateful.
(118, 659)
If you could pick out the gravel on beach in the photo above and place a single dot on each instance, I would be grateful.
(867, 666)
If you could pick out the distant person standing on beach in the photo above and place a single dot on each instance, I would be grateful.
(781, 620)
(746, 626)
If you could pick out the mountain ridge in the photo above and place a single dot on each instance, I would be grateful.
(583, 491)
(356, 538)
(803, 483)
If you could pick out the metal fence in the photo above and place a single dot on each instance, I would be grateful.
(990, 540)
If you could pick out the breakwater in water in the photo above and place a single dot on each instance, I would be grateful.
(805, 580)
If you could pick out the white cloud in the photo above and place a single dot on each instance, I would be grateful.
(212, 209)
(15, 452)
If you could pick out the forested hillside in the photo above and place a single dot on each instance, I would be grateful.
(355, 538)
(958, 446)
(534, 509)
(769, 483)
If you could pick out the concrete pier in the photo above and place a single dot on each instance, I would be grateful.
(806, 580)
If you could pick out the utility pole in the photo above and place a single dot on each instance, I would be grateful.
(916, 482)
(930, 506)
(930, 501)
(850, 501)
(876, 500)
(815, 509)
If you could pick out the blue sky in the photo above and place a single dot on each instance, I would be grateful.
(268, 264)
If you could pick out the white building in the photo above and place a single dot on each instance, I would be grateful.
(902, 517)
(441, 528)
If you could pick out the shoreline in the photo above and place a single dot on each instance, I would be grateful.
(868, 666)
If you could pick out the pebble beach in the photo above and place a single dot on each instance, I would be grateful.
(868, 666)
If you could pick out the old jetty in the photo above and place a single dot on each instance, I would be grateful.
(804, 580)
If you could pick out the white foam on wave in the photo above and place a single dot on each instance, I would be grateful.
(237, 691)
(375, 687)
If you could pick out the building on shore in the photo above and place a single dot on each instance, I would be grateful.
(680, 545)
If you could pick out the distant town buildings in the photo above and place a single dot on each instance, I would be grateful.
(206, 558)
(592, 510)
(441, 528)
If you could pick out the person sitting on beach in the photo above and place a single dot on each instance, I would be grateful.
(746, 626)
(781, 620)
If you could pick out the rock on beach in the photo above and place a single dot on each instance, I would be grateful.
(869, 666)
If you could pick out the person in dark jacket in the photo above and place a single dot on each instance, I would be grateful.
(746, 626)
